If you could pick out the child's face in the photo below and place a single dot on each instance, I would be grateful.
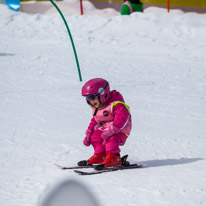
(95, 103)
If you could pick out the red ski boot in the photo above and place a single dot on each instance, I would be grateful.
(112, 160)
(96, 158)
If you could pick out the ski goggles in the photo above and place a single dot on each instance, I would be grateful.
(91, 97)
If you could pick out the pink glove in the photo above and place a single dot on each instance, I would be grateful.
(108, 132)
(87, 139)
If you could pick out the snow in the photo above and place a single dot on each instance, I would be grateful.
(155, 59)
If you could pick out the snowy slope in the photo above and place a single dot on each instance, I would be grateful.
(156, 60)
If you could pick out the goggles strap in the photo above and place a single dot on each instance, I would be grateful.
(95, 112)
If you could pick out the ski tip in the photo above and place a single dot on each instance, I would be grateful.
(59, 166)
(80, 172)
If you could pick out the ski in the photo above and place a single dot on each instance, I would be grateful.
(74, 167)
(110, 169)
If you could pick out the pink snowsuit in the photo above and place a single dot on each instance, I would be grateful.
(117, 113)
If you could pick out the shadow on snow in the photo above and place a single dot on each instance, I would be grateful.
(5, 54)
(169, 162)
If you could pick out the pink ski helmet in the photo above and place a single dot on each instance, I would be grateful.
(99, 87)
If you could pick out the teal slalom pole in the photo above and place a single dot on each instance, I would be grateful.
(75, 54)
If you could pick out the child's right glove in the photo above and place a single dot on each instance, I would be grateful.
(87, 139)
(108, 132)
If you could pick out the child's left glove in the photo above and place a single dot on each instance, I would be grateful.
(108, 132)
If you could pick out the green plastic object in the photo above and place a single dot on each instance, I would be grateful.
(75, 54)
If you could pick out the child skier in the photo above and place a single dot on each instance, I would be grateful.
(110, 125)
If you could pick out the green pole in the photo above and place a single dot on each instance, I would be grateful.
(75, 54)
